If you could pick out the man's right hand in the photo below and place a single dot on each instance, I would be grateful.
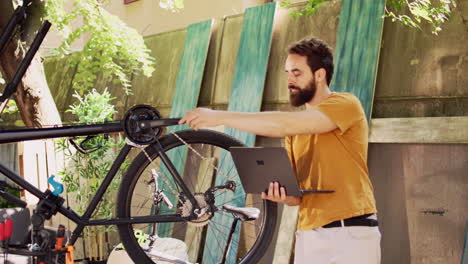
(278, 194)
(201, 117)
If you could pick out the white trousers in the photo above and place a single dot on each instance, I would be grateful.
(337, 245)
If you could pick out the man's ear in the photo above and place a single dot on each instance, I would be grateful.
(321, 75)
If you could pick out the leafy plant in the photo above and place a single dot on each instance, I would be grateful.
(84, 173)
(12, 189)
(172, 5)
(417, 12)
(412, 13)
(112, 49)
(10, 109)
(310, 8)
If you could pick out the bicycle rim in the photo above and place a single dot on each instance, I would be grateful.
(204, 239)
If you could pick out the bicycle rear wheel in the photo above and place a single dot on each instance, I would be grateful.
(202, 159)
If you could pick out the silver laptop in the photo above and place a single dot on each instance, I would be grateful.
(257, 167)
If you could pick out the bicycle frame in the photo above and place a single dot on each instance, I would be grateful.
(11, 136)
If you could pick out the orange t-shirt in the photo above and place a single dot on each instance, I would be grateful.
(337, 161)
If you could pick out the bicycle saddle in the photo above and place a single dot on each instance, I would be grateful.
(244, 213)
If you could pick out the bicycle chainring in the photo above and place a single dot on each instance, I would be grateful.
(133, 132)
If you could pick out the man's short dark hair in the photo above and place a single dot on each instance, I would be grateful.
(318, 53)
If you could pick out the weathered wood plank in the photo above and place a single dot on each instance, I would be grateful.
(435, 193)
(60, 74)
(285, 242)
(358, 48)
(421, 200)
(387, 173)
(203, 180)
(34, 166)
(246, 95)
(158, 90)
(9, 157)
(225, 61)
(191, 68)
(419, 130)
(186, 92)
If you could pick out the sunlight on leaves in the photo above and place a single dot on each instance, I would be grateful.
(112, 48)
(310, 8)
(411, 13)
(172, 5)
(420, 12)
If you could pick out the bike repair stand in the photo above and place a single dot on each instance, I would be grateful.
(45, 209)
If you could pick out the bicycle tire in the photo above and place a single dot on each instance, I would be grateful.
(264, 226)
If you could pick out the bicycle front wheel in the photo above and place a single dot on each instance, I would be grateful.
(203, 161)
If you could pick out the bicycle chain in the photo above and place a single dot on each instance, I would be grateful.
(199, 155)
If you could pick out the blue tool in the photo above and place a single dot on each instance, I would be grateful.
(57, 187)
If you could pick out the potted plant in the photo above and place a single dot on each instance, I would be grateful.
(86, 165)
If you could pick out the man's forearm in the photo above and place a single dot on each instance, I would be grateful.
(270, 124)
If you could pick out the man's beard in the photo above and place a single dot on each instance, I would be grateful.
(302, 96)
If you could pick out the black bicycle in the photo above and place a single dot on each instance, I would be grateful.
(180, 201)
(177, 202)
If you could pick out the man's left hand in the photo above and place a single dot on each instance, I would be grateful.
(278, 194)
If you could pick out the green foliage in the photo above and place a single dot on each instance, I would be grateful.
(310, 8)
(10, 109)
(412, 13)
(112, 48)
(93, 108)
(4, 203)
(418, 12)
(172, 5)
(11, 106)
(84, 172)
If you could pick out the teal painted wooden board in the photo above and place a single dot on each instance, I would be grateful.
(186, 94)
(464, 259)
(191, 68)
(358, 49)
(246, 96)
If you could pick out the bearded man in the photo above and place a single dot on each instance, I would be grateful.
(327, 144)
